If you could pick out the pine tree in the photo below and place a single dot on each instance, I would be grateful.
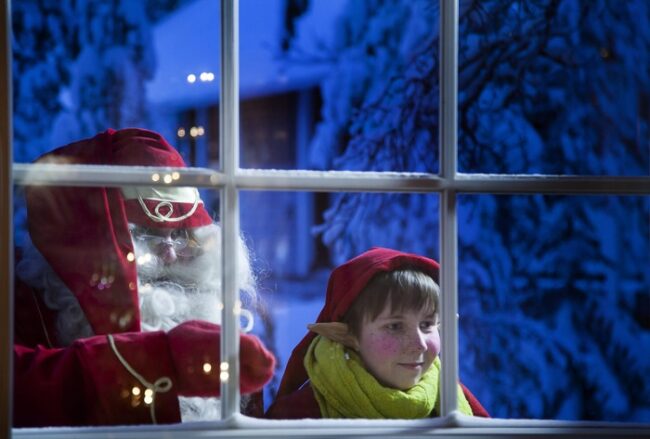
(550, 286)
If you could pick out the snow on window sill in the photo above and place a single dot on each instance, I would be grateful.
(453, 426)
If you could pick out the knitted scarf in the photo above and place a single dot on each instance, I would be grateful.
(345, 389)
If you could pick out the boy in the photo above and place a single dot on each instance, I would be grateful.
(373, 352)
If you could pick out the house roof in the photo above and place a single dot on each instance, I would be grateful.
(187, 42)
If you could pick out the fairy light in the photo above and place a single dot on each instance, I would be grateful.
(191, 78)
(181, 132)
(155, 177)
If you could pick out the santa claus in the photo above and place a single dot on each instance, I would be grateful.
(118, 298)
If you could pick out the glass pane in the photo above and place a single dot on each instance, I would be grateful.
(83, 67)
(297, 241)
(94, 261)
(555, 305)
(339, 85)
(554, 87)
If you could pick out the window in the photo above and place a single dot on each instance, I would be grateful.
(449, 193)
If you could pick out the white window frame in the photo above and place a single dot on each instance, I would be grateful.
(230, 179)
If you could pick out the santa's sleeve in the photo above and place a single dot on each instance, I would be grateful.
(128, 378)
(86, 384)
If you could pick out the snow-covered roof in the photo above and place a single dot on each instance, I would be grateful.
(187, 43)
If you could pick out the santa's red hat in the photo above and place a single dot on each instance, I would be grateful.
(83, 231)
(345, 284)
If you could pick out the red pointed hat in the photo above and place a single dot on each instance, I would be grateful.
(83, 231)
(345, 284)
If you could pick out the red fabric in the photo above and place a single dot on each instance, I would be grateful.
(302, 404)
(85, 384)
(83, 232)
(345, 284)
(196, 343)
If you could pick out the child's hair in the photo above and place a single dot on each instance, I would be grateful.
(404, 289)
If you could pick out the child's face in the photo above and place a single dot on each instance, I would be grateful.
(399, 347)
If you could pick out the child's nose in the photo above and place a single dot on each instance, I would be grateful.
(418, 341)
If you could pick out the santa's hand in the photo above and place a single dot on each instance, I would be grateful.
(195, 349)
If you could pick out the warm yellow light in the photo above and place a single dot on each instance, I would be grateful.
(191, 78)
(155, 177)
(148, 399)
(144, 258)
(224, 376)
(180, 132)
(194, 132)
(135, 390)
(224, 366)
(130, 257)
(167, 178)
(176, 175)
(200, 130)
(207, 367)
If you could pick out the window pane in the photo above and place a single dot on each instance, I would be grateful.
(95, 261)
(343, 85)
(297, 239)
(554, 87)
(554, 305)
(81, 68)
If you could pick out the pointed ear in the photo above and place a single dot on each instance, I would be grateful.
(336, 331)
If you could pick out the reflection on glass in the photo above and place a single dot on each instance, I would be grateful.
(554, 305)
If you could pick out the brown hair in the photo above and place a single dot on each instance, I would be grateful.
(403, 289)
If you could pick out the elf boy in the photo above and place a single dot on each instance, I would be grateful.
(373, 352)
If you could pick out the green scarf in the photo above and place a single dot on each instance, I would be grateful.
(345, 389)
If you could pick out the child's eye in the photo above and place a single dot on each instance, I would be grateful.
(428, 325)
(396, 326)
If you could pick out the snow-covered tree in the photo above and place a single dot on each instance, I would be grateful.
(554, 290)
(79, 67)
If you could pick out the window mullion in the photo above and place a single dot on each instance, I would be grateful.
(448, 222)
(229, 203)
